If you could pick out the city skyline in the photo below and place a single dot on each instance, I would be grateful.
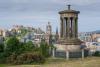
(38, 13)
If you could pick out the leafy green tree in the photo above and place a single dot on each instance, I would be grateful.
(23, 32)
(12, 44)
(44, 49)
(29, 46)
(15, 50)
(1, 48)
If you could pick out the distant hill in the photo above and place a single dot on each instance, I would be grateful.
(97, 31)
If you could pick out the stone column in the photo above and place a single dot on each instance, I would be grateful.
(76, 27)
(82, 53)
(61, 28)
(73, 27)
(64, 28)
(68, 27)
(53, 52)
(67, 55)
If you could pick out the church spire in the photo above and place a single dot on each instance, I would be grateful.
(57, 31)
(57, 35)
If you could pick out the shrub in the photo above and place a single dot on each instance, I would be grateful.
(44, 49)
(2, 58)
(97, 53)
(11, 59)
(26, 58)
(1, 48)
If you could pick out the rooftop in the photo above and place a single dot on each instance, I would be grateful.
(69, 10)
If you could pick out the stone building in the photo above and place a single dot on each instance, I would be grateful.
(6, 33)
(85, 36)
(1, 32)
(89, 36)
(96, 37)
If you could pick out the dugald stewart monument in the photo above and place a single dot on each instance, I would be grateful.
(68, 45)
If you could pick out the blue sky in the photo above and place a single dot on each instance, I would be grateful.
(37, 13)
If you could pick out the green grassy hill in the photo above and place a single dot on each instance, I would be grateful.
(87, 62)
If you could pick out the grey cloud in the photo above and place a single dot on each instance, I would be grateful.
(29, 5)
(45, 6)
(39, 6)
(45, 10)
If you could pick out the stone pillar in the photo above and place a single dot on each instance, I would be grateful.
(61, 28)
(64, 28)
(67, 55)
(82, 53)
(53, 52)
(68, 27)
(73, 27)
(76, 27)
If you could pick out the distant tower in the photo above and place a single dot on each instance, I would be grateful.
(57, 35)
(48, 28)
(48, 34)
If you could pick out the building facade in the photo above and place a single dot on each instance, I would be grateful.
(85, 36)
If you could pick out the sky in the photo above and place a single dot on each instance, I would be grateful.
(37, 13)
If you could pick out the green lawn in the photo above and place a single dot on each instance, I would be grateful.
(87, 62)
(2, 65)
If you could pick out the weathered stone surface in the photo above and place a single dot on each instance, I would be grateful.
(68, 45)
(70, 48)
(69, 27)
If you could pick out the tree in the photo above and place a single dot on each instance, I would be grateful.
(44, 49)
(1, 48)
(12, 44)
(29, 46)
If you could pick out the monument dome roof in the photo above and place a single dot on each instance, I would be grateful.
(69, 10)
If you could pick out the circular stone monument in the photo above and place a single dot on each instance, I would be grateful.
(69, 32)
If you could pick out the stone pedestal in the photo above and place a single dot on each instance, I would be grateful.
(68, 51)
(70, 48)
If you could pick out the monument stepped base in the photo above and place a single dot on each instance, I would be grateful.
(71, 41)
(69, 51)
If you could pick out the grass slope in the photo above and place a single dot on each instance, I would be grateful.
(87, 62)
(2, 65)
